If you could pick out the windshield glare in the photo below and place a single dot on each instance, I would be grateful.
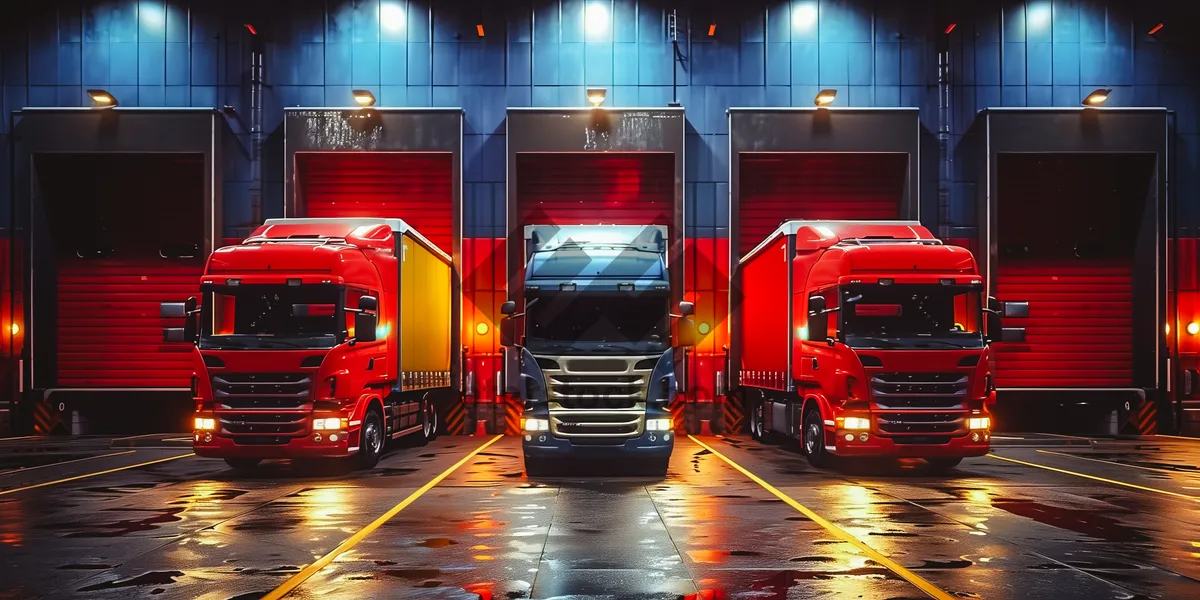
(263, 316)
(911, 316)
(622, 323)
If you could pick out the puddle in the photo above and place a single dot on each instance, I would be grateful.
(83, 529)
(221, 495)
(86, 567)
(427, 455)
(1091, 523)
(145, 579)
(128, 488)
(413, 574)
(281, 571)
(961, 563)
(385, 563)
(894, 534)
(497, 454)
(250, 595)
(268, 524)
(822, 559)
(437, 542)
(718, 556)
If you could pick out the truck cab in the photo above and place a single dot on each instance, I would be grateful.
(318, 338)
(888, 333)
(594, 351)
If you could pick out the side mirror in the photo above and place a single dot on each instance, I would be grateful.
(1013, 334)
(365, 324)
(818, 319)
(368, 303)
(508, 329)
(687, 308)
(186, 310)
(685, 334)
(995, 326)
(509, 307)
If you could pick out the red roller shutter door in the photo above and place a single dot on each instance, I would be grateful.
(778, 186)
(586, 188)
(414, 186)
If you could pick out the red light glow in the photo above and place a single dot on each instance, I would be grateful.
(251, 29)
(712, 30)
(1155, 29)
(950, 28)
(479, 29)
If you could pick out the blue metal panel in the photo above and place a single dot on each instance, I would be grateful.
(598, 64)
(393, 63)
(1066, 63)
(419, 65)
(365, 57)
(1014, 63)
(834, 63)
(625, 64)
(445, 63)
(655, 61)
(70, 63)
(339, 63)
(570, 62)
(805, 66)
(151, 64)
(887, 63)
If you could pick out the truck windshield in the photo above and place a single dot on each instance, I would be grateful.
(925, 316)
(617, 323)
(271, 316)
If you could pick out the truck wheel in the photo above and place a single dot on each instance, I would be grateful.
(943, 464)
(536, 467)
(429, 421)
(812, 440)
(757, 419)
(370, 445)
(243, 464)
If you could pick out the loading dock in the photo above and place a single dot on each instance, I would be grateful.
(121, 218)
(1072, 210)
(393, 163)
(815, 163)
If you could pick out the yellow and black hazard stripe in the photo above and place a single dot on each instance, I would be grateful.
(733, 413)
(456, 418)
(45, 420)
(1146, 417)
(677, 408)
(512, 415)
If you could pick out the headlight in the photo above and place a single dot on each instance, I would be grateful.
(329, 424)
(856, 423)
(659, 425)
(979, 422)
(205, 424)
(535, 424)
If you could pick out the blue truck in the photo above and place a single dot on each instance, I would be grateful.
(592, 351)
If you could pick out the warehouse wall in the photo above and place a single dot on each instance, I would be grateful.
(545, 53)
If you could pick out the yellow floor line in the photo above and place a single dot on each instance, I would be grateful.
(65, 462)
(1095, 478)
(97, 473)
(299, 578)
(931, 590)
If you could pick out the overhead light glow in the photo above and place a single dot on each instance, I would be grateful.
(1155, 29)
(391, 16)
(1038, 15)
(1193, 328)
(102, 99)
(152, 14)
(364, 98)
(15, 329)
(804, 16)
(596, 96)
(825, 97)
(1097, 97)
(596, 19)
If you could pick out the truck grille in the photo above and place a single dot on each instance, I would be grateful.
(612, 383)
(263, 423)
(568, 423)
(920, 423)
(261, 390)
(919, 390)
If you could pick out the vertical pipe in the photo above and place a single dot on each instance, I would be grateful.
(946, 170)
(256, 133)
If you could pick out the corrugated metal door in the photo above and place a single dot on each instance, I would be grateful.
(1067, 233)
(414, 186)
(778, 186)
(578, 188)
(132, 242)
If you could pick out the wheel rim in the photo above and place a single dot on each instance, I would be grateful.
(371, 434)
(758, 420)
(430, 420)
(812, 438)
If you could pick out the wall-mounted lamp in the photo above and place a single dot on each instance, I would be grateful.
(596, 96)
(102, 99)
(481, 328)
(364, 98)
(712, 29)
(479, 29)
(825, 97)
(1193, 328)
(1097, 97)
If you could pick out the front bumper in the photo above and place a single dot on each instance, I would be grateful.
(651, 444)
(301, 447)
(957, 447)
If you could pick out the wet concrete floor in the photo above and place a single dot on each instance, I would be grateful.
(188, 527)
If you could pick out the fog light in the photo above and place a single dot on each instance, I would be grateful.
(653, 438)
(317, 437)
(658, 425)
(205, 424)
(207, 438)
(528, 438)
(535, 424)
(666, 437)
(975, 437)
(979, 423)
(197, 438)
(856, 423)
(862, 437)
(541, 438)
(849, 437)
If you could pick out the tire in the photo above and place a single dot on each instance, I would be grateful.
(429, 421)
(757, 412)
(812, 440)
(940, 465)
(243, 464)
(371, 438)
(536, 467)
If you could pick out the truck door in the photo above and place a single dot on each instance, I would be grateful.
(815, 357)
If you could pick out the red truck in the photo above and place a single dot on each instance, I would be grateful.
(319, 338)
(868, 338)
